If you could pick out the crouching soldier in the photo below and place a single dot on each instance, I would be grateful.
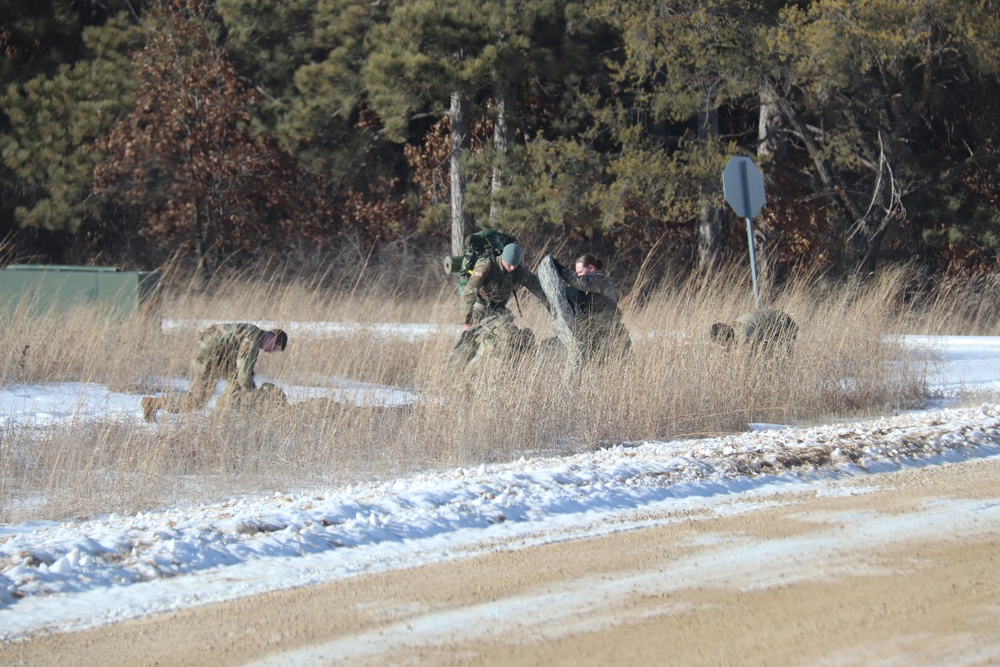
(487, 325)
(763, 330)
(594, 298)
(225, 352)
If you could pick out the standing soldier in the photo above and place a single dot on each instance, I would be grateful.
(487, 325)
(225, 352)
(763, 330)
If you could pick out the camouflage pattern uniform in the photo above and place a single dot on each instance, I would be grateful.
(484, 306)
(225, 352)
(766, 330)
(490, 287)
(599, 325)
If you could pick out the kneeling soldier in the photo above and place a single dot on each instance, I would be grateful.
(225, 352)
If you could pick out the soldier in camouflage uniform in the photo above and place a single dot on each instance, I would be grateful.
(225, 352)
(488, 327)
(763, 330)
(594, 299)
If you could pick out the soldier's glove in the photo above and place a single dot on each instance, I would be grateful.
(564, 273)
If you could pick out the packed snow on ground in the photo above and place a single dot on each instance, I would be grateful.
(60, 576)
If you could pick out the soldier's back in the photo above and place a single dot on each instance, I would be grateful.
(766, 327)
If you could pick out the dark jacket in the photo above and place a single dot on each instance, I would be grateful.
(599, 325)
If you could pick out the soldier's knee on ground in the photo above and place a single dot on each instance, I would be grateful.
(464, 351)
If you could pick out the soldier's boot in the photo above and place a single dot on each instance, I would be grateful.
(150, 406)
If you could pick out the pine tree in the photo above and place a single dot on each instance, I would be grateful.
(480, 60)
(889, 99)
(682, 62)
(306, 58)
(187, 155)
(54, 118)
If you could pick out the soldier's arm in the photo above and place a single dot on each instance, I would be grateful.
(564, 272)
(480, 273)
(596, 284)
(523, 276)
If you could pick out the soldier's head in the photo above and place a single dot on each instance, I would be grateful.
(274, 341)
(723, 334)
(587, 264)
(511, 256)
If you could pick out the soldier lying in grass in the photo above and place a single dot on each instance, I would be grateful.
(225, 352)
(763, 330)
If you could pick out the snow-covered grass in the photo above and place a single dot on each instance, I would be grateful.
(372, 398)
(63, 575)
(373, 401)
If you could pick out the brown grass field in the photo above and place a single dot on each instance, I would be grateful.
(676, 384)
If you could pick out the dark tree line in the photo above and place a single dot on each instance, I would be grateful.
(217, 132)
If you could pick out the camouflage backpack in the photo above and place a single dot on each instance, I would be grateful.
(486, 243)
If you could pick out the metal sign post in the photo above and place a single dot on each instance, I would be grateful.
(743, 186)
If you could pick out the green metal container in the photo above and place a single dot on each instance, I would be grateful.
(59, 288)
(452, 263)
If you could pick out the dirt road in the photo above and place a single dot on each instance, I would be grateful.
(892, 569)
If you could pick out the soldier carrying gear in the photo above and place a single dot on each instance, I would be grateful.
(760, 331)
(493, 282)
(485, 317)
(224, 352)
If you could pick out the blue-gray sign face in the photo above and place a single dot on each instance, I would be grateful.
(743, 185)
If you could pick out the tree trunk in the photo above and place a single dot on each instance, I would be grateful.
(864, 237)
(501, 150)
(862, 246)
(200, 247)
(459, 147)
(769, 141)
(769, 146)
(709, 215)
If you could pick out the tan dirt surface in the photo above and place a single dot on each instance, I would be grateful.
(893, 569)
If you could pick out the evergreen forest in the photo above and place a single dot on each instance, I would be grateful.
(306, 135)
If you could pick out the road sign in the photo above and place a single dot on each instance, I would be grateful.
(743, 185)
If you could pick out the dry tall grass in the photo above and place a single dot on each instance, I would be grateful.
(675, 384)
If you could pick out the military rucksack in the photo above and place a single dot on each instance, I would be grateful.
(482, 244)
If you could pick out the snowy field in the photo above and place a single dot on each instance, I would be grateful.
(74, 575)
